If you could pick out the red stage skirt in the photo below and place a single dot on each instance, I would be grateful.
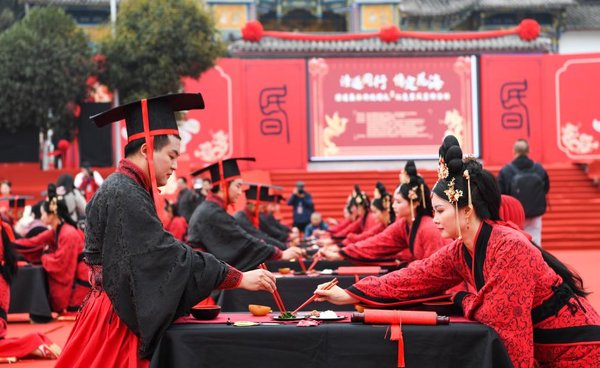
(100, 339)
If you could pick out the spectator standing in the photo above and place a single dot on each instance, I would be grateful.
(303, 205)
(527, 181)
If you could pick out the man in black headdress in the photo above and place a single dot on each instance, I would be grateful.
(212, 229)
(143, 278)
(257, 197)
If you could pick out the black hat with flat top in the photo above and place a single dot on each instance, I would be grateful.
(260, 192)
(16, 201)
(158, 110)
(223, 170)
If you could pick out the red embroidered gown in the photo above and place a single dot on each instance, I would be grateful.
(357, 226)
(394, 243)
(511, 279)
(21, 346)
(67, 273)
(178, 227)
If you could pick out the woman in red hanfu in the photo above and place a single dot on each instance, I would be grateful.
(60, 251)
(533, 301)
(412, 236)
(175, 223)
(32, 345)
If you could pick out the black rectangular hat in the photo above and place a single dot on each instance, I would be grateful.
(223, 170)
(16, 201)
(277, 198)
(159, 113)
(260, 192)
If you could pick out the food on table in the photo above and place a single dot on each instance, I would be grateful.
(259, 310)
(328, 314)
(287, 315)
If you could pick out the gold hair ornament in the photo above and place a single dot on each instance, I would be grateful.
(413, 196)
(453, 197)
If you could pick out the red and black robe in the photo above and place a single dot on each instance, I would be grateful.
(363, 223)
(143, 278)
(178, 227)
(63, 263)
(398, 242)
(22, 346)
(517, 294)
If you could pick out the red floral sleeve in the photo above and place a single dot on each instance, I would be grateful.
(374, 230)
(428, 240)
(350, 229)
(421, 278)
(506, 299)
(385, 245)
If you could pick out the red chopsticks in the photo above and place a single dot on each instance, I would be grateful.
(276, 295)
(316, 259)
(302, 265)
(331, 284)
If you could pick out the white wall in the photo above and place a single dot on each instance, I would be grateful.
(577, 42)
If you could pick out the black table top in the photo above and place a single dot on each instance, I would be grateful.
(294, 291)
(329, 345)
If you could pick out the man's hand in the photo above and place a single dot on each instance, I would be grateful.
(256, 280)
(292, 253)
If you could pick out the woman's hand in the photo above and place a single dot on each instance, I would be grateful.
(335, 295)
(331, 253)
(256, 280)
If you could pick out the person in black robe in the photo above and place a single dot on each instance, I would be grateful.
(270, 225)
(212, 229)
(273, 226)
(249, 218)
(143, 278)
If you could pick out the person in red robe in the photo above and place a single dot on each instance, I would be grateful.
(59, 250)
(34, 345)
(533, 301)
(364, 218)
(412, 236)
(175, 224)
(380, 211)
(142, 277)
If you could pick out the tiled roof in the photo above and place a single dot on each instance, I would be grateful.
(585, 16)
(278, 48)
(68, 2)
(521, 4)
(426, 8)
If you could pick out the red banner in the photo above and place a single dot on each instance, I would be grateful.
(208, 135)
(574, 120)
(274, 101)
(548, 100)
(373, 109)
(511, 105)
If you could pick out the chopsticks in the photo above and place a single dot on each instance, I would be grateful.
(331, 284)
(276, 295)
(316, 259)
(302, 265)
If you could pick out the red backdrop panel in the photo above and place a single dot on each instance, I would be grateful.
(551, 100)
(511, 105)
(572, 129)
(212, 134)
(390, 108)
(274, 101)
